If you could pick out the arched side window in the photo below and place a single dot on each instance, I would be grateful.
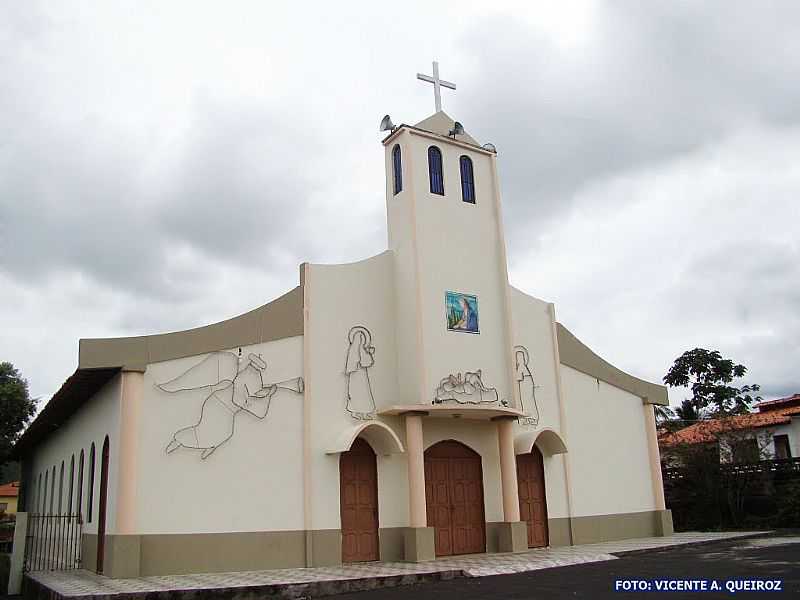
(79, 503)
(52, 490)
(467, 180)
(435, 170)
(44, 498)
(397, 169)
(90, 495)
(61, 490)
(71, 483)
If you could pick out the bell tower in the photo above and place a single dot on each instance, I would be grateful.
(446, 232)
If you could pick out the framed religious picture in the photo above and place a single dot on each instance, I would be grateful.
(462, 312)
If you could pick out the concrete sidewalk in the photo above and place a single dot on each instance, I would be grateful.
(323, 581)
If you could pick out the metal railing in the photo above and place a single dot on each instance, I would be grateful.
(53, 543)
(779, 467)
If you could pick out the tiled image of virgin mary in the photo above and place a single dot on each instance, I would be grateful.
(462, 312)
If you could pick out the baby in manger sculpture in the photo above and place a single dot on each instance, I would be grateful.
(234, 386)
(466, 389)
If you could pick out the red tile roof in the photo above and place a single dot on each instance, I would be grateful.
(768, 405)
(707, 431)
(9, 489)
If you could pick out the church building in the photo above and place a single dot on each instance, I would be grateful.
(409, 406)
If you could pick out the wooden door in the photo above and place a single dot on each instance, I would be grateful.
(358, 490)
(454, 497)
(532, 497)
(101, 517)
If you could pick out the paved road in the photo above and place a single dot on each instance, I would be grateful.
(767, 558)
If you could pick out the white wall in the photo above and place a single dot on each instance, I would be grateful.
(253, 482)
(607, 447)
(794, 436)
(340, 297)
(91, 423)
(533, 328)
(791, 430)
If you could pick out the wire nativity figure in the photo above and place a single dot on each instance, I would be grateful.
(236, 387)
(360, 401)
(466, 389)
(526, 387)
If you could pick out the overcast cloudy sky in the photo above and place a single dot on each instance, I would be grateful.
(167, 165)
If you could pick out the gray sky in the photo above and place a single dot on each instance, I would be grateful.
(168, 165)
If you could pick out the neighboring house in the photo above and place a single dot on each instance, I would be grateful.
(771, 433)
(8, 498)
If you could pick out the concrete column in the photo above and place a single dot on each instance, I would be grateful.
(655, 456)
(127, 480)
(513, 533)
(416, 471)
(17, 554)
(418, 539)
(508, 469)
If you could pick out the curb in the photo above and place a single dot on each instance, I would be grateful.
(744, 536)
(33, 589)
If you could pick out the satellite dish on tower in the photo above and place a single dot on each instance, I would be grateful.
(386, 124)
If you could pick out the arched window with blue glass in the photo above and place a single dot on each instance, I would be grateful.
(435, 170)
(467, 180)
(397, 169)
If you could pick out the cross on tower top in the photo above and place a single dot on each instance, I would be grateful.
(437, 84)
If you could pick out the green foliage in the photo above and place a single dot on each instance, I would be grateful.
(16, 408)
(710, 378)
(688, 412)
(787, 509)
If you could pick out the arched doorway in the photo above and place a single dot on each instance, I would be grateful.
(101, 512)
(532, 497)
(454, 497)
(358, 491)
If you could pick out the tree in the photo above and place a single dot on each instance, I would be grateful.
(713, 484)
(687, 412)
(709, 376)
(16, 408)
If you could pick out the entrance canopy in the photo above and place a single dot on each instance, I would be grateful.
(483, 412)
(546, 439)
(379, 435)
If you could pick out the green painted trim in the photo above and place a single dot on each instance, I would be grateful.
(419, 544)
(605, 528)
(391, 543)
(122, 556)
(326, 547)
(558, 532)
(664, 523)
(577, 355)
(279, 319)
(513, 537)
(174, 554)
(493, 537)
(178, 554)
(89, 551)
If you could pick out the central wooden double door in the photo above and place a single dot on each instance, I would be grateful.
(454, 497)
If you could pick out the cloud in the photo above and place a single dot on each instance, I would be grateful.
(696, 252)
(159, 172)
(642, 84)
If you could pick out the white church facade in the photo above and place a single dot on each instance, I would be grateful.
(408, 406)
